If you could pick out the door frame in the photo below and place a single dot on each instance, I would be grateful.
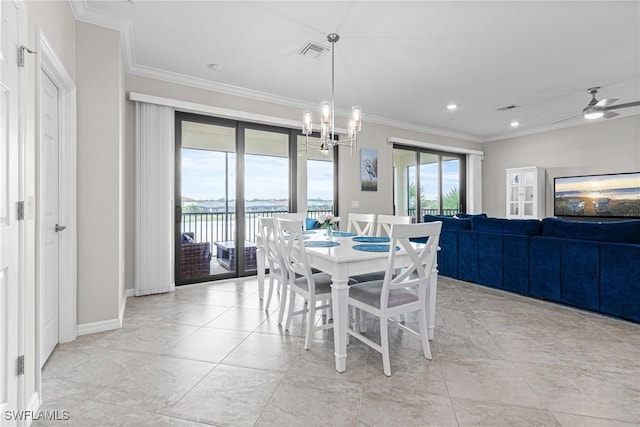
(47, 61)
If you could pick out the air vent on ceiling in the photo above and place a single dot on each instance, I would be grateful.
(314, 50)
(508, 107)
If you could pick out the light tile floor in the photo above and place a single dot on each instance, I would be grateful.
(210, 355)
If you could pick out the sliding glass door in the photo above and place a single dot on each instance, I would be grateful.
(436, 186)
(206, 190)
(266, 182)
(228, 175)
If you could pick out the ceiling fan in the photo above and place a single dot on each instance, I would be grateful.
(597, 109)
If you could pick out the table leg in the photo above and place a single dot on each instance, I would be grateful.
(431, 303)
(340, 295)
(260, 261)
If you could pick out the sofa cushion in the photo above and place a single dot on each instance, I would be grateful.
(619, 284)
(187, 238)
(311, 223)
(616, 232)
(449, 222)
(521, 227)
(461, 215)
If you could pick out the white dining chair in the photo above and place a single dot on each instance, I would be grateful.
(383, 230)
(403, 289)
(299, 216)
(315, 288)
(385, 221)
(362, 224)
(268, 238)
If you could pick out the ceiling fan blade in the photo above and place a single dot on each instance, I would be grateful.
(568, 118)
(605, 102)
(628, 104)
(609, 114)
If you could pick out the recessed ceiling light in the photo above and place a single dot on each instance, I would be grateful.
(514, 124)
(216, 67)
(452, 107)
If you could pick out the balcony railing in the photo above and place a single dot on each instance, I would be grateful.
(221, 226)
(448, 212)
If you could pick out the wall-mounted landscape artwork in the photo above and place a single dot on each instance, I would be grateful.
(612, 195)
(369, 169)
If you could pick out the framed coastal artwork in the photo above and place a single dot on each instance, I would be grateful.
(368, 169)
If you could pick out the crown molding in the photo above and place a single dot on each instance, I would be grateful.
(182, 79)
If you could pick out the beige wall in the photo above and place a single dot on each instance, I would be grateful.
(607, 146)
(56, 22)
(99, 142)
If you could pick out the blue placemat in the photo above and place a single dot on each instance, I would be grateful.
(344, 234)
(320, 244)
(286, 237)
(373, 248)
(371, 239)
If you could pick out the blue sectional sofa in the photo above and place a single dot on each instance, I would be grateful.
(594, 266)
(589, 265)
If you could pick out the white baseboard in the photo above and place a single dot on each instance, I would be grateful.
(129, 292)
(101, 326)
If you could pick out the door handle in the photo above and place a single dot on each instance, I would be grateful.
(60, 228)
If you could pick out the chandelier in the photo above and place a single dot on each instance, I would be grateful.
(327, 115)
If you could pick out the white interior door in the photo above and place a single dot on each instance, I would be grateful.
(49, 227)
(9, 226)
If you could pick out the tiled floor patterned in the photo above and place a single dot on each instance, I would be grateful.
(210, 355)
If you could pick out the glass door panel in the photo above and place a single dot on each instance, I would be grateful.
(451, 185)
(404, 188)
(436, 188)
(206, 222)
(429, 184)
(315, 172)
(266, 183)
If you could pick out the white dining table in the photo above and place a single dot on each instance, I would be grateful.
(343, 262)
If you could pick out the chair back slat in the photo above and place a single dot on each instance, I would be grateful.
(362, 224)
(291, 242)
(301, 216)
(267, 234)
(385, 222)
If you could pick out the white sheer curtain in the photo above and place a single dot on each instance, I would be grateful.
(155, 154)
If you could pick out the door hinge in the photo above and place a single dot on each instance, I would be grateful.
(21, 365)
(20, 211)
(21, 50)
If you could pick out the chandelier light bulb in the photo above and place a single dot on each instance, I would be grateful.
(307, 125)
(324, 135)
(352, 128)
(325, 108)
(356, 113)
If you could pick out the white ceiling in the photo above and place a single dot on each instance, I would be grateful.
(402, 62)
